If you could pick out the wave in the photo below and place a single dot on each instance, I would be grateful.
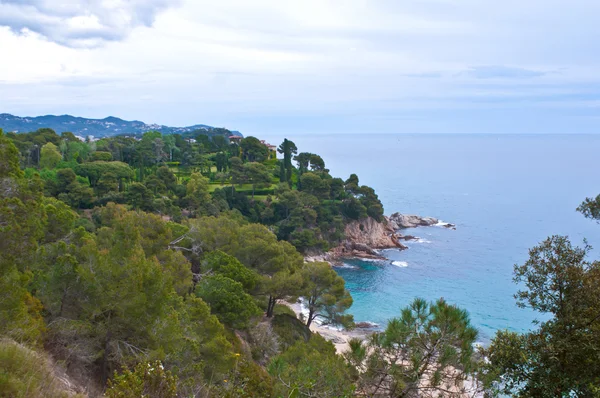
(370, 260)
(421, 240)
(401, 264)
(444, 224)
(345, 266)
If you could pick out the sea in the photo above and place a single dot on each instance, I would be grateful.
(505, 193)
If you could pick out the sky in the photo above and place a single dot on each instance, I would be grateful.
(312, 66)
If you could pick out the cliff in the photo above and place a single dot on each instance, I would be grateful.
(364, 238)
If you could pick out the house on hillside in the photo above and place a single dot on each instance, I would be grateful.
(272, 149)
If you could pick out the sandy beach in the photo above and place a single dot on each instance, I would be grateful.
(339, 338)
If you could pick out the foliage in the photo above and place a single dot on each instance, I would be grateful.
(289, 329)
(50, 156)
(326, 296)
(146, 380)
(246, 380)
(311, 369)
(425, 352)
(590, 208)
(228, 301)
(95, 170)
(25, 373)
(123, 251)
(253, 150)
(556, 359)
(229, 266)
(287, 149)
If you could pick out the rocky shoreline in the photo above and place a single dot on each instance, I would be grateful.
(365, 238)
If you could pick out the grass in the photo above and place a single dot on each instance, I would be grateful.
(238, 187)
(25, 373)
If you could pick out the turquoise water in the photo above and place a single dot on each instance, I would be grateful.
(505, 193)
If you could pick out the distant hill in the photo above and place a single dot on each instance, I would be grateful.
(107, 127)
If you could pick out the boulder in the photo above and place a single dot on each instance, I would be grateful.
(410, 221)
(407, 237)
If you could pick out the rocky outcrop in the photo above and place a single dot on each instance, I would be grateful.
(401, 221)
(365, 237)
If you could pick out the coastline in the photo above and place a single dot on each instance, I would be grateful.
(364, 240)
(339, 338)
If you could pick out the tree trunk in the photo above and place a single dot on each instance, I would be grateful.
(311, 317)
(105, 370)
(271, 306)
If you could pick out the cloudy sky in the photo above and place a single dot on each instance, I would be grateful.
(312, 66)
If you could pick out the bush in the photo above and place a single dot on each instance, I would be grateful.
(290, 330)
(228, 301)
(146, 380)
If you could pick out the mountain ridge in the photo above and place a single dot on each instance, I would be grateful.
(107, 127)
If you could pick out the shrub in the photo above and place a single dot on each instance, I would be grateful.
(146, 380)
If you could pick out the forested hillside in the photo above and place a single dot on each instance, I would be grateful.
(125, 251)
(159, 266)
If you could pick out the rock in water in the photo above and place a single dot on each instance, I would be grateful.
(410, 221)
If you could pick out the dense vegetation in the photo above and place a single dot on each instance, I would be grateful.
(194, 175)
(158, 266)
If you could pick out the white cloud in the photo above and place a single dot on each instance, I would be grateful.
(75, 23)
(230, 61)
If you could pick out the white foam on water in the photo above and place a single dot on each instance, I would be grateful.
(344, 265)
(421, 240)
(401, 264)
(370, 260)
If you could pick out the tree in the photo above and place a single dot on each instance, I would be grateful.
(238, 174)
(102, 156)
(227, 300)
(109, 182)
(167, 177)
(336, 188)
(317, 164)
(287, 148)
(139, 196)
(197, 196)
(94, 170)
(351, 184)
(64, 178)
(590, 208)
(23, 222)
(253, 150)
(557, 358)
(257, 248)
(371, 201)
(303, 160)
(256, 174)
(354, 209)
(50, 156)
(315, 185)
(225, 265)
(326, 296)
(9, 158)
(311, 369)
(426, 352)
